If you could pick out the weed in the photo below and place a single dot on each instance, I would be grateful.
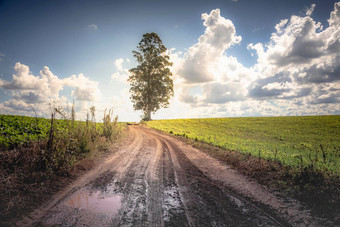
(33, 151)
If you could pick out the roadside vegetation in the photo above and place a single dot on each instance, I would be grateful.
(300, 142)
(36, 152)
(299, 156)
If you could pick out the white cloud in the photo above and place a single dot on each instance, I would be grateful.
(310, 10)
(205, 65)
(27, 89)
(92, 27)
(334, 19)
(85, 89)
(119, 64)
(84, 94)
(199, 62)
(297, 71)
(121, 74)
(299, 59)
(23, 80)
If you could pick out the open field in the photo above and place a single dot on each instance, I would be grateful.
(301, 142)
(34, 161)
(19, 130)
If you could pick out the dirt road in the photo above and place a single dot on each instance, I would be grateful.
(156, 180)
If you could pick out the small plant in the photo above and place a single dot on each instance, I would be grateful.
(61, 140)
(275, 153)
(110, 127)
(34, 151)
(324, 155)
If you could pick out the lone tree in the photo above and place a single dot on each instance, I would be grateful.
(151, 82)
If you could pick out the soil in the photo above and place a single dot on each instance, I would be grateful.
(157, 180)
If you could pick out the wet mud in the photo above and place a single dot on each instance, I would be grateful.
(156, 180)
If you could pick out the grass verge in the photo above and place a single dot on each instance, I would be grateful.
(31, 172)
(316, 190)
(299, 142)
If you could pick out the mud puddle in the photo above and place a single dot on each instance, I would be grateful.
(97, 202)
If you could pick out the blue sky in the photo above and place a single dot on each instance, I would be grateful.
(237, 65)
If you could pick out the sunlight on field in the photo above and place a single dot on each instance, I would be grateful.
(295, 141)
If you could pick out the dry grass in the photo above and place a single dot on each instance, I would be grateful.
(23, 187)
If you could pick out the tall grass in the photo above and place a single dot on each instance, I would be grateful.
(34, 152)
(63, 142)
(111, 129)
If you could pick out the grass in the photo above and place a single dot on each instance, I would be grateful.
(298, 142)
(35, 153)
(18, 130)
(297, 156)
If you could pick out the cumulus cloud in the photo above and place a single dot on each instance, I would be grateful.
(334, 19)
(222, 93)
(205, 65)
(85, 89)
(199, 62)
(22, 79)
(301, 57)
(27, 89)
(1, 56)
(295, 42)
(297, 71)
(121, 74)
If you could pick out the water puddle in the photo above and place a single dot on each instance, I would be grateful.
(97, 202)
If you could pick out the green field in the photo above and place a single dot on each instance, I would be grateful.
(53, 144)
(312, 141)
(17, 130)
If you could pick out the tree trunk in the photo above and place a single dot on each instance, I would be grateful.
(148, 117)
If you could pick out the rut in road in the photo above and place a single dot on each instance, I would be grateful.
(153, 181)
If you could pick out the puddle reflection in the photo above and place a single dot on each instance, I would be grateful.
(96, 202)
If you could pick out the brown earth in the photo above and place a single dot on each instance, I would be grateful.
(157, 180)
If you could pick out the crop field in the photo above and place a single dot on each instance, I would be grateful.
(17, 130)
(312, 141)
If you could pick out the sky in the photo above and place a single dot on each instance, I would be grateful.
(231, 58)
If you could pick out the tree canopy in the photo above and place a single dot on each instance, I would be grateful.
(151, 82)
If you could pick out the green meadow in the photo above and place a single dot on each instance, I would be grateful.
(299, 142)
(18, 130)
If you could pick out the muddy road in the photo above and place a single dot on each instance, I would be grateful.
(157, 180)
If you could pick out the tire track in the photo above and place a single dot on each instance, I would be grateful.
(156, 180)
(244, 192)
